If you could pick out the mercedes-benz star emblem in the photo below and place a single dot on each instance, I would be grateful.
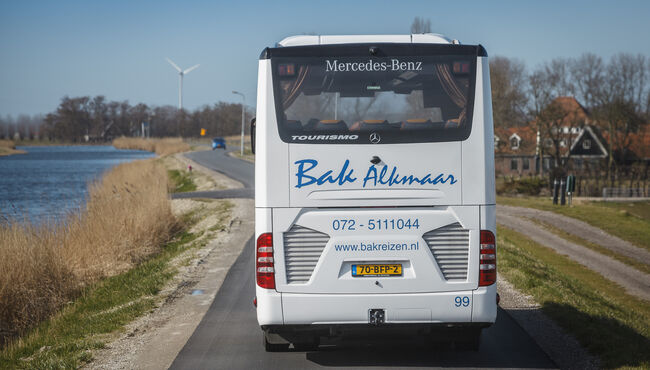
(375, 138)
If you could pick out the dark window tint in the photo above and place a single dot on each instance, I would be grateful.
(401, 98)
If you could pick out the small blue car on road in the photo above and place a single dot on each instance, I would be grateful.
(218, 142)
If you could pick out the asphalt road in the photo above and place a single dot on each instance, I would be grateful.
(218, 160)
(228, 336)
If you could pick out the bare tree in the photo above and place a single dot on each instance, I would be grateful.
(588, 74)
(621, 102)
(556, 115)
(98, 111)
(557, 71)
(627, 77)
(509, 98)
(420, 25)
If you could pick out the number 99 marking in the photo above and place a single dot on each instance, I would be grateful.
(461, 301)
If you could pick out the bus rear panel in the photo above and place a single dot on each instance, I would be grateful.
(375, 201)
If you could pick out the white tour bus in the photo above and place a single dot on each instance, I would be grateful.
(375, 195)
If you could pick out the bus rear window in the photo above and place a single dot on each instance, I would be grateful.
(402, 99)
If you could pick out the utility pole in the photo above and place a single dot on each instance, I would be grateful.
(243, 118)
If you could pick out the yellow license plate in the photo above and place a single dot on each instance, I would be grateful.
(377, 270)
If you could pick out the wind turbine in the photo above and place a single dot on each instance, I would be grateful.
(181, 73)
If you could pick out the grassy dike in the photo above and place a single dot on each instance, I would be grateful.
(609, 323)
(639, 265)
(628, 220)
(65, 287)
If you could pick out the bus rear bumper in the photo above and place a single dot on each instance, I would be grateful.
(438, 309)
(307, 333)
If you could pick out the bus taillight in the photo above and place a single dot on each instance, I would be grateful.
(265, 271)
(487, 259)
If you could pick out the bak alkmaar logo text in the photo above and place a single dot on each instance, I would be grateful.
(308, 174)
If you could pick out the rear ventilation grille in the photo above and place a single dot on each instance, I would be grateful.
(302, 249)
(450, 247)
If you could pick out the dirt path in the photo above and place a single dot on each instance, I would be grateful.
(580, 229)
(632, 280)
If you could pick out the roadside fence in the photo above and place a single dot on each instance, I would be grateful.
(625, 192)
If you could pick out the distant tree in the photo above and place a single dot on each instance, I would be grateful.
(99, 115)
(623, 120)
(622, 102)
(588, 75)
(420, 25)
(72, 119)
(4, 127)
(554, 120)
(101, 119)
(139, 114)
(509, 96)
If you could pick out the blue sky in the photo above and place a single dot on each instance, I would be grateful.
(49, 49)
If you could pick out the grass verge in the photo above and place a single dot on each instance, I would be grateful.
(609, 323)
(181, 181)
(234, 142)
(161, 147)
(248, 154)
(613, 217)
(65, 341)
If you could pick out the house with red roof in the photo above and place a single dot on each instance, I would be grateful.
(517, 150)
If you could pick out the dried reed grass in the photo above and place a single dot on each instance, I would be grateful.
(127, 217)
(7, 144)
(8, 147)
(161, 147)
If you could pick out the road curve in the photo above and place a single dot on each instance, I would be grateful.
(219, 160)
(229, 337)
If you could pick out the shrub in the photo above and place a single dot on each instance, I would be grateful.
(525, 186)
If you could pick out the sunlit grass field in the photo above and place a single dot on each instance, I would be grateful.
(609, 323)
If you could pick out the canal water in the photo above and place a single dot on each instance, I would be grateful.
(49, 181)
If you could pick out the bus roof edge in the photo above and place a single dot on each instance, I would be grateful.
(421, 38)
